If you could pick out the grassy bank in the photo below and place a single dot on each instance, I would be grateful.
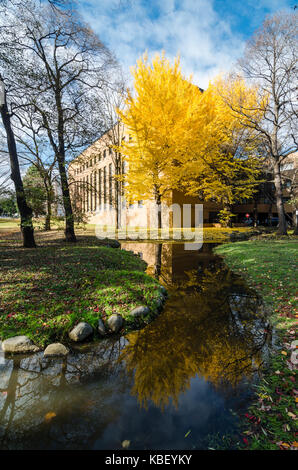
(46, 291)
(270, 267)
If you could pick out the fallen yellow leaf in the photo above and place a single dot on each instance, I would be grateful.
(49, 416)
(284, 353)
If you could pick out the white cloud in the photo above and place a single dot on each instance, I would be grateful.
(207, 42)
(193, 28)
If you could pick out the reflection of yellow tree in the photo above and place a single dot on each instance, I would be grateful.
(201, 331)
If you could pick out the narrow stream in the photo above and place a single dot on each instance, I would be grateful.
(179, 383)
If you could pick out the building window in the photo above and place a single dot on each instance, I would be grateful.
(110, 184)
(87, 192)
(110, 151)
(91, 192)
(83, 196)
(140, 203)
(105, 185)
(94, 191)
(104, 153)
(99, 188)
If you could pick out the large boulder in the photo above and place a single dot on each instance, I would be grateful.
(115, 322)
(56, 349)
(19, 344)
(101, 328)
(139, 312)
(81, 332)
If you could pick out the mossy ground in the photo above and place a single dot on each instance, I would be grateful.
(270, 266)
(47, 290)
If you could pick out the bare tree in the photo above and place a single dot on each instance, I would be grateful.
(24, 209)
(114, 98)
(60, 67)
(33, 150)
(270, 61)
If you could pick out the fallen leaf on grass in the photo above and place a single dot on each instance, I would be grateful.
(283, 444)
(49, 416)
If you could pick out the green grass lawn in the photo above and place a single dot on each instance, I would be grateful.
(9, 224)
(45, 291)
(271, 268)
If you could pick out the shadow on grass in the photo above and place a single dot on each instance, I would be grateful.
(47, 290)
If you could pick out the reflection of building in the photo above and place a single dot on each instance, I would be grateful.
(173, 259)
(95, 191)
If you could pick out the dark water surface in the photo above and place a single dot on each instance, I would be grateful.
(179, 383)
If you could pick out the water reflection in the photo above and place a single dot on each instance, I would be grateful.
(212, 326)
(191, 365)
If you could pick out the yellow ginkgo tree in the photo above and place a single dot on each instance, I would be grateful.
(160, 116)
(186, 139)
(224, 159)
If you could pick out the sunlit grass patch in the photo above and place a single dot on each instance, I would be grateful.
(45, 291)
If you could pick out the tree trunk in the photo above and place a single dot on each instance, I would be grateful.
(255, 213)
(295, 221)
(157, 266)
(157, 198)
(158, 202)
(227, 206)
(69, 220)
(282, 227)
(47, 225)
(117, 208)
(25, 211)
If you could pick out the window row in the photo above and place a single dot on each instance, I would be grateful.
(92, 161)
(95, 189)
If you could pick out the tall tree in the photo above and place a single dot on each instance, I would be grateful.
(223, 162)
(24, 209)
(59, 65)
(160, 118)
(270, 60)
(113, 100)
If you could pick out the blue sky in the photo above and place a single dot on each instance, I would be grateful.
(209, 34)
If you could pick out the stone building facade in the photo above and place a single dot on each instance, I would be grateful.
(96, 193)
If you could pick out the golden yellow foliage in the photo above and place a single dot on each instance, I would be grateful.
(186, 139)
(223, 163)
(160, 117)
